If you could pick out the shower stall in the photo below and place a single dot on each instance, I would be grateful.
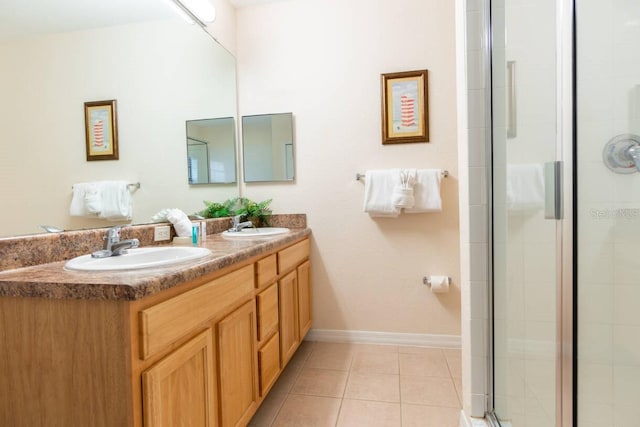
(565, 212)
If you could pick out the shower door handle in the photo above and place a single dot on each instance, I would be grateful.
(512, 113)
(553, 196)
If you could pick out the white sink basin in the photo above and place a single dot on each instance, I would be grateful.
(139, 258)
(255, 232)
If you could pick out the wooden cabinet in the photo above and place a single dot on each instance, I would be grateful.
(180, 389)
(202, 353)
(304, 298)
(288, 299)
(238, 366)
(168, 321)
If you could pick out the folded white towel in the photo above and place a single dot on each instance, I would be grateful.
(378, 190)
(402, 196)
(180, 222)
(525, 187)
(116, 201)
(102, 199)
(426, 191)
(86, 200)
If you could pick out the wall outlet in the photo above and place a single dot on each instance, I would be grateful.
(161, 232)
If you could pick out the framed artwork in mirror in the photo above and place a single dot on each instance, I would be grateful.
(405, 114)
(100, 124)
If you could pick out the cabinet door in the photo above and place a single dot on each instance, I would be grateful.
(237, 366)
(269, 363)
(179, 390)
(304, 298)
(289, 335)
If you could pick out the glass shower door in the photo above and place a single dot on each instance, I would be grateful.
(608, 209)
(525, 249)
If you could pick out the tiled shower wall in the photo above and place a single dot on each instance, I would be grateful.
(474, 235)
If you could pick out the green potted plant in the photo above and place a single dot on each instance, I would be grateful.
(257, 213)
(218, 210)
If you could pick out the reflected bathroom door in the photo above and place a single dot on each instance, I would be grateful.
(526, 252)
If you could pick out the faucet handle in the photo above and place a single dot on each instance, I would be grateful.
(236, 220)
(113, 233)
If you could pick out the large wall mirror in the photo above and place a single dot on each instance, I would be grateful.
(55, 56)
(211, 151)
(267, 147)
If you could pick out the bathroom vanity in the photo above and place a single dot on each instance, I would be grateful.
(199, 344)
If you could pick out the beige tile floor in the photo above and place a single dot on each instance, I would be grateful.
(352, 385)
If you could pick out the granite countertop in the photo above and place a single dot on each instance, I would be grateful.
(50, 280)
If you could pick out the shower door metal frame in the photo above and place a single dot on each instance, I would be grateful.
(566, 229)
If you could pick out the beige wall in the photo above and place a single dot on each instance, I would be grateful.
(322, 60)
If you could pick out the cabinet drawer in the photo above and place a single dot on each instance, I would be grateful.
(293, 255)
(266, 271)
(267, 302)
(166, 322)
(269, 363)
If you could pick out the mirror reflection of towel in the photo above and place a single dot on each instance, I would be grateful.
(525, 187)
(109, 200)
(116, 201)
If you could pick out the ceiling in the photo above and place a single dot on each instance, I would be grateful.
(20, 18)
(243, 3)
(25, 18)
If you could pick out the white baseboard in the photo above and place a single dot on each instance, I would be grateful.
(372, 337)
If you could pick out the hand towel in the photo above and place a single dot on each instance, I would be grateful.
(116, 201)
(378, 190)
(525, 187)
(402, 196)
(86, 200)
(426, 191)
(180, 222)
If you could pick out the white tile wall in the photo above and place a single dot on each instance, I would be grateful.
(473, 207)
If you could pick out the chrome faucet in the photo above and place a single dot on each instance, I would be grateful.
(236, 225)
(113, 246)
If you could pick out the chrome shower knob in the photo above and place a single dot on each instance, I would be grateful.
(622, 153)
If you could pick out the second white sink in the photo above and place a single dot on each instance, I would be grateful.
(139, 258)
(255, 232)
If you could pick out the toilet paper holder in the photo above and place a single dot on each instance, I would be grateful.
(426, 280)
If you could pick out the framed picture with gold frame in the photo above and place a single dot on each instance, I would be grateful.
(101, 130)
(405, 114)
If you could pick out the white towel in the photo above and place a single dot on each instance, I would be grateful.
(86, 200)
(102, 199)
(180, 222)
(378, 190)
(426, 191)
(116, 201)
(525, 187)
(402, 196)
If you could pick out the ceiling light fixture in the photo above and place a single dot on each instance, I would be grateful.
(199, 11)
(180, 11)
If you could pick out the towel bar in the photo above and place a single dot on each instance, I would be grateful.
(131, 187)
(360, 176)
